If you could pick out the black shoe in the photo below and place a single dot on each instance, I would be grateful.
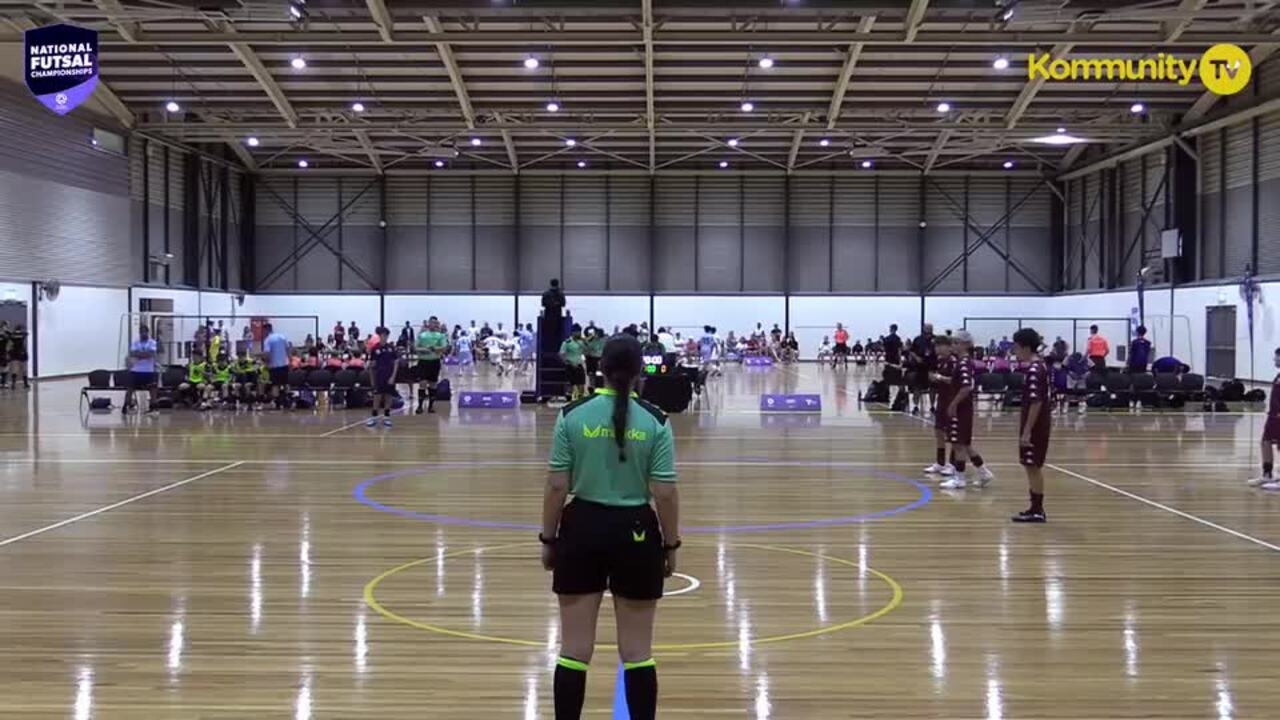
(1029, 516)
(431, 409)
(418, 411)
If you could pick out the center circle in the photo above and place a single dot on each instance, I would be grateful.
(371, 599)
(361, 495)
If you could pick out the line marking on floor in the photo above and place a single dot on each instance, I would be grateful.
(122, 503)
(1166, 508)
(348, 426)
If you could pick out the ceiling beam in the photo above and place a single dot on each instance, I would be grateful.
(115, 15)
(1072, 156)
(512, 157)
(797, 137)
(382, 18)
(115, 105)
(268, 83)
(1208, 99)
(242, 152)
(846, 73)
(445, 51)
(915, 18)
(370, 150)
(1183, 16)
(646, 29)
(1031, 89)
(936, 150)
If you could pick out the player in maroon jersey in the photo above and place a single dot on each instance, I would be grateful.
(960, 413)
(1270, 437)
(940, 377)
(1033, 437)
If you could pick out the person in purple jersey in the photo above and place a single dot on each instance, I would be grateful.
(1139, 351)
(960, 413)
(384, 361)
(1035, 423)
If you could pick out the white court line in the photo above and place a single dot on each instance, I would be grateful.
(483, 463)
(348, 426)
(113, 506)
(1166, 508)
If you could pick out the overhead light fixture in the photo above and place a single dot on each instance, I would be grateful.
(553, 106)
(582, 163)
(1008, 165)
(439, 163)
(747, 106)
(1001, 63)
(1061, 130)
(357, 106)
(866, 164)
(1137, 108)
(296, 10)
(93, 141)
(172, 106)
(251, 141)
(1061, 138)
(1008, 15)
(299, 63)
(732, 142)
(531, 63)
(304, 164)
(766, 62)
(824, 142)
(476, 142)
(570, 142)
(944, 107)
(724, 164)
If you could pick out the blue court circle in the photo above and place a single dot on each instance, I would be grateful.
(361, 495)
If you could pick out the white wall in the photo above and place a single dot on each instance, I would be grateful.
(689, 313)
(865, 316)
(605, 311)
(450, 309)
(364, 309)
(83, 330)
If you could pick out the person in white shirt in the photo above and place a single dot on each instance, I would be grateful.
(496, 347)
(824, 350)
(667, 340)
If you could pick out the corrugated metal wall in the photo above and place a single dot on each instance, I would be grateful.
(693, 233)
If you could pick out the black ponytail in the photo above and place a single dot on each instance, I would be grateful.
(621, 362)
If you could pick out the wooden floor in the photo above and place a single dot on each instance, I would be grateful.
(217, 566)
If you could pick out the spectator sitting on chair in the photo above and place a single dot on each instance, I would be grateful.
(1059, 350)
(194, 389)
(1170, 364)
(790, 348)
(353, 332)
(406, 336)
(1098, 348)
(1139, 351)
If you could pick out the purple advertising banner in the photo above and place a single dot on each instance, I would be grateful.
(791, 403)
(495, 400)
(60, 65)
(757, 361)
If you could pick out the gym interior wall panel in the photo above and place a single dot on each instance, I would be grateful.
(899, 259)
(38, 145)
(629, 251)
(1269, 227)
(451, 310)
(406, 257)
(318, 201)
(689, 313)
(853, 234)
(83, 330)
(1239, 233)
(719, 234)
(1211, 241)
(865, 316)
(327, 307)
(540, 229)
(810, 234)
(495, 233)
(450, 252)
(675, 219)
(1031, 247)
(585, 234)
(764, 233)
(407, 200)
(944, 237)
(362, 247)
(317, 268)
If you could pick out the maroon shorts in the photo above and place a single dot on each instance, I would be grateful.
(941, 420)
(960, 427)
(1034, 455)
(1271, 431)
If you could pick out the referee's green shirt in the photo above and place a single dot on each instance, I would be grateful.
(431, 345)
(584, 446)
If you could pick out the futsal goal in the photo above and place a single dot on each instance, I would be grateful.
(1169, 334)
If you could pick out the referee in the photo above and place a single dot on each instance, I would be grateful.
(614, 453)
(431, 346)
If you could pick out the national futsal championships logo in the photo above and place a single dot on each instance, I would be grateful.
(1224, 69)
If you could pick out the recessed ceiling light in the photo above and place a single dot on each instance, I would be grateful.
(1008, 165)
(439, 163)
(733, 142)
(570, 142)
(531, 63)
(476, 142)
(1001, 63)
(582, 163)
(1061, 130)
(93, 142)
(299, 63)
(766, 62)
(251, 141)
(1060, 138)
(944, 107)
(357, 106)
(1008, 15)
(1137, 108)
(747, 106)
(866, 164)
(824, 142)
(724, 164)
(295, 11)
(553, 106)
(172, 106)
(304, 164)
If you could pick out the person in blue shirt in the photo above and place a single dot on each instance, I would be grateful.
(142, 369)
(1139, 351)
(275, 352)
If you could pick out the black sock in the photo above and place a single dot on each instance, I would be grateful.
(952, 457)
(1266, 469)
(570, 687)
(431, 397)
(976, 460)
(642, 689)
(959, 465)
(942, 456)
(386, 412)
(422, 396)
(1037, 502)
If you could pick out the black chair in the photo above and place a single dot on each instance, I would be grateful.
(1094, 381)
(172, 378)
(992, 384)
(1166, 383)
(1192, 385)
(1118, 382)
(319, 379)
(1144, 388)
(99, 381)
(121, 380)
(343, 382)
(1015, 382)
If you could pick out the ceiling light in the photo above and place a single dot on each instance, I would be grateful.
(295, 11)
(475, 142)
(1008, 165)
(553, 106)
(766, 62)
(824, 142)
(746, 106)
(733, 142)
(1060, 139)
(866, 164)
(1061, 130)
(93, 142)
(1137, 108)
(172, 106)
(439, 163)
(944, 107)
(531, 63)
(1008, 15)
(357, 106)
(251, 141)
(582, 163)
(570, 142)
(303, 164)
(299, 63)
(1001, 63)
(724, 164)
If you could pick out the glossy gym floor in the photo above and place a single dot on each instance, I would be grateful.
(298, 565)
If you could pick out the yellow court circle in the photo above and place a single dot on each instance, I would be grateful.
(1225, 69)
(370, 598)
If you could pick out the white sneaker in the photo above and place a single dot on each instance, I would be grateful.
(985, 476)
(936, 469)
(1260, 481)
(954, 483)
(1273, 485)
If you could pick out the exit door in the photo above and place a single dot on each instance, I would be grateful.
(1220, 341)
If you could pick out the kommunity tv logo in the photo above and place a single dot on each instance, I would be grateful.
(1223, 69)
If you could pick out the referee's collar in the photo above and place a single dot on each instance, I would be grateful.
(612, 392)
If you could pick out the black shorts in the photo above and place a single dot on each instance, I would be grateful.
(280, 375)
(247, 378)
(892, 375)
(593, 365)
(605, 547)
(842, 349)
(384, 386)
(427, 371)
(575, 374)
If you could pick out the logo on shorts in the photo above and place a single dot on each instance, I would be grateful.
(639, 536)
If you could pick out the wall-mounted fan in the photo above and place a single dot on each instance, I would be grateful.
(49, 290)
